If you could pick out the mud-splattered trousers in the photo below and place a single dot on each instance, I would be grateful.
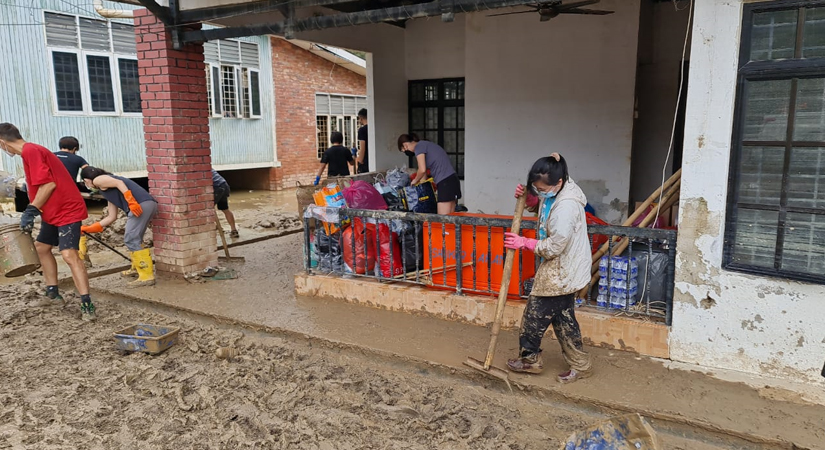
(540, 313)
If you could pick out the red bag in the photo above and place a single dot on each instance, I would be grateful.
(391, 265)
(362, 195)
(356, 257)
(658, 223)
(598, 239)
(362, 254)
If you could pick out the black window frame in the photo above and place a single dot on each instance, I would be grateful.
(129, 79)
(68, 87)
(440, 104)
(100, 83)
(794, 69)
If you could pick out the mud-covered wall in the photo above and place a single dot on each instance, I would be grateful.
(725, 319)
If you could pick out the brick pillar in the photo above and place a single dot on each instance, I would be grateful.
(176, 130)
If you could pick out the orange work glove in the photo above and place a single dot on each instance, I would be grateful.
(134, 206)
(93, 228)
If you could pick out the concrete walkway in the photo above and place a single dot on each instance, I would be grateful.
(677, 399)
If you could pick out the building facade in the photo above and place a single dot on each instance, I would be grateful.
(69, 71)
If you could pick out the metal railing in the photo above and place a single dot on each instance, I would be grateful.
(431, 250)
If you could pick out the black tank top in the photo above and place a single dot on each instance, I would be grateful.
(114, 195)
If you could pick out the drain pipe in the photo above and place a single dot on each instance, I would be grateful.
(112, 13)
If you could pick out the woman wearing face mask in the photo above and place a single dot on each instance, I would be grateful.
(432, 157)
(123, 193)
(564, 249)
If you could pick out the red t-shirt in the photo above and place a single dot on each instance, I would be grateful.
(65, 206)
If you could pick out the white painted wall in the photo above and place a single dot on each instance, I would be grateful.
(532, 88)
(386, 83)
(724, 319)
(564, 86)
(435, 49)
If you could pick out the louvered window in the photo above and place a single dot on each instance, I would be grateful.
(233, 71)
(337, 113)
(93, 65)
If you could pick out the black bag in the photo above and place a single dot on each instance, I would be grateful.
(421, 198)
(328, 252)
(394, 202)
(411, 254)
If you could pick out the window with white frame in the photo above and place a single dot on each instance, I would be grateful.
(337, 113)
(94, 65)
(233, 78)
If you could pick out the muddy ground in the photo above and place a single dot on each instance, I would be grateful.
(252, 216)
(66, 386)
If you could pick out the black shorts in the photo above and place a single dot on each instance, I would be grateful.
(222, 197)
(64, 238)
(449, 189)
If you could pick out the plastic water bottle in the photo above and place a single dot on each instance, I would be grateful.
(603, 266)
(603, 289)
(602, 301)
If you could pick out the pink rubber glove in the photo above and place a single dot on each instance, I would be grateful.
(532, 201)
(516, 242)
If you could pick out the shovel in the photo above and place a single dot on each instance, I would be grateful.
(226, 258)
(486, 366)
(100, 241)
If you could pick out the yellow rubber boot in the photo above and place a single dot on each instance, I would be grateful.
(142, 261)
(131, 272)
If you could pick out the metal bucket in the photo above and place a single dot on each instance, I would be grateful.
(17, 254)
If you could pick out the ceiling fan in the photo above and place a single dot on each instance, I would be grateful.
(549, 10)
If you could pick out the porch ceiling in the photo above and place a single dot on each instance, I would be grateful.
(287, 17)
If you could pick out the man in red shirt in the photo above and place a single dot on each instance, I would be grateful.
(54, 196)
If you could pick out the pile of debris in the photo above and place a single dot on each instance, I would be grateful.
(278, 220)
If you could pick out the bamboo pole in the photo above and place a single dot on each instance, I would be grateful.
(668, 200)
(656, 212)
(677, 176)
(670, 197)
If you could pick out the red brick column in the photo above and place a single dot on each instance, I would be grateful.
(176, 129)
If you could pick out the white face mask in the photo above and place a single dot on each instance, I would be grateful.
(5, 148)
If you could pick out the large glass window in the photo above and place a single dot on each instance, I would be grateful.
(436, 113)
(337, 113)
(101, 92)
(232, 72)
(67, 81)
(129, 85)
(82, 54)
(776, 215)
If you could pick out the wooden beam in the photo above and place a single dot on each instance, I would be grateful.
(264, 6)
(160, 12)
(395, 14)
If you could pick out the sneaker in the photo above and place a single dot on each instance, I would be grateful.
(526, 364)
(48, 299)
(572, 375)
(87, 311)
(234, 234)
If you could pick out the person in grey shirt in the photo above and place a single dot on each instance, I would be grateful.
(430, 156)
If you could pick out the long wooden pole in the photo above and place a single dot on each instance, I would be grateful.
(677, 176)
(505, 284)
(668, 200)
